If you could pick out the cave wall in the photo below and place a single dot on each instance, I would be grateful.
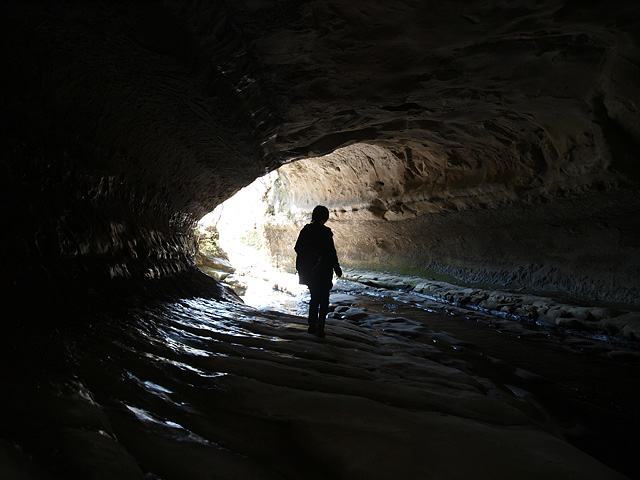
(530, 234)
(502, 137)
(118, 137)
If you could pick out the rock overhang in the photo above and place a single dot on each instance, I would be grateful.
(473, 105)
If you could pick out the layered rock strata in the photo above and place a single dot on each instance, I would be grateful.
(129, 122)
(407, 213)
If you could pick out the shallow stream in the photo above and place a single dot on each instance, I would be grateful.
(401, 387)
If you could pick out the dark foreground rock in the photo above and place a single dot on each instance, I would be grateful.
(243, 393)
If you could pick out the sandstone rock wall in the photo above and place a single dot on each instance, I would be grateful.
(408, 215)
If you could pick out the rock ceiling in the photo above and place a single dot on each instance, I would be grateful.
(180, 104)
(480, 142)
(504, 90)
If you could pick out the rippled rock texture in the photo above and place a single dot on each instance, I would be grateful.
(196, 388)
(487, 141)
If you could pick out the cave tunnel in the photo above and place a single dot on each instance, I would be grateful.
(479, 159)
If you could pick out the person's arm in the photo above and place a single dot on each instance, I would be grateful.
(335, 264)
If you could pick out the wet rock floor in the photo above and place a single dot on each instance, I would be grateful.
(401, 387)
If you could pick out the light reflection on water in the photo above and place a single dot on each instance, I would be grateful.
(197, 371)
(535, 366)
(183, 366)
(176, 430)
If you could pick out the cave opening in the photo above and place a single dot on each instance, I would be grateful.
(233, 248)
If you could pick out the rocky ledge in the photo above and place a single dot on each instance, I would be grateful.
(597, 321)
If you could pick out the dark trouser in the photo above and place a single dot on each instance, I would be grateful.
(318, 307)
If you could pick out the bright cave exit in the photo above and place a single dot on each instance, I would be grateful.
(232, 249)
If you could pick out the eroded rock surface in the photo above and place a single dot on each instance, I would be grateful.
(501, 137)
(490, 142)
(243, 393)
(403, 215)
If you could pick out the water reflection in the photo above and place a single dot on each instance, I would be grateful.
(176, 430)
(249, 388)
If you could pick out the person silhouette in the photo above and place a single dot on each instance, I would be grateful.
(315, 262)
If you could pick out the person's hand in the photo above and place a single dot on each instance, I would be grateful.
(338, 271)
